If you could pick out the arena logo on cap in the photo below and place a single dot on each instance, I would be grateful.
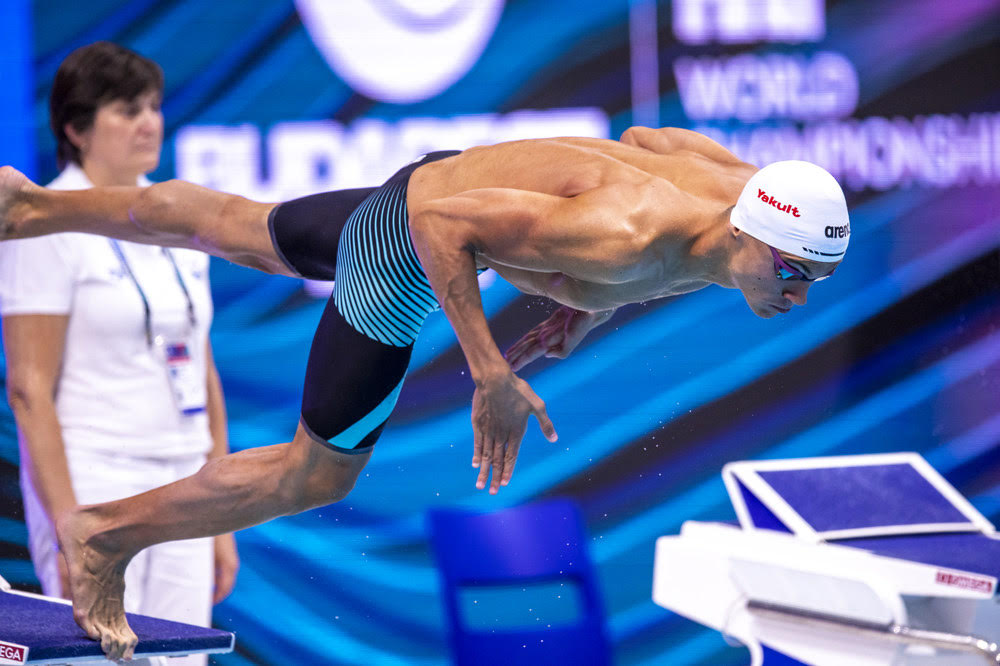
(842, 231)
(784, 208)
(400, 51)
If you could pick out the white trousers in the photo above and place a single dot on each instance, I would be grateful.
(172, 581)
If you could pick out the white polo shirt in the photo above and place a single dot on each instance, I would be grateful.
(113, 393)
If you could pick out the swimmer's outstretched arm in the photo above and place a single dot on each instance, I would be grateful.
(174, 213)
(501, 402)
(556, 337)
(589, 237)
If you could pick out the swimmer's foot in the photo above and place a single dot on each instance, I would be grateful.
(97, 583)
(15, 202)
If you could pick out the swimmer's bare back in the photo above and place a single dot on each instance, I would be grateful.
(569, 166)
(680, 182)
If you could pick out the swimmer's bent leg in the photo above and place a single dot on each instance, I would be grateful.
(229, 493)
(352, 383)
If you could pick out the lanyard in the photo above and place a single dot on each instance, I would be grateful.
(142, 294)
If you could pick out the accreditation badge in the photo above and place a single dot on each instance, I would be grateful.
(189, 387)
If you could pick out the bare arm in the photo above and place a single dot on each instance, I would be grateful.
(33, 345)
(673, 139)
(595, 236)
(227, 561)
(523, 229)
(216, 408)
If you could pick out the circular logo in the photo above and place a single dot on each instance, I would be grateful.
(400, 51)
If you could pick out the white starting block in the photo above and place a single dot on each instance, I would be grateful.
(859, 560)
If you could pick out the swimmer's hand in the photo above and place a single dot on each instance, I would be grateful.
(556, 337)
(500, 409)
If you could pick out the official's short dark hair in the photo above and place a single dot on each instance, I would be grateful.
(90, 76)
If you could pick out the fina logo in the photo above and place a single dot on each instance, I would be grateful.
(400, 51)
(745, 21)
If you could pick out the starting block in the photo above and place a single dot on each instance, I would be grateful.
(40, 630)
(862, 560)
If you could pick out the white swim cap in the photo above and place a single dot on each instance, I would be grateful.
(796, 207)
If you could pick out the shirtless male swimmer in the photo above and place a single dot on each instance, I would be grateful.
(593, 224)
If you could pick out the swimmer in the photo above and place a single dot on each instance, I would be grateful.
(592, 224)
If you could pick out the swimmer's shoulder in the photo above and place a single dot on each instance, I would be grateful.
(669, 140)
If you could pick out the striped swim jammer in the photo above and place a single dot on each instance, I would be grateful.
(362, 345)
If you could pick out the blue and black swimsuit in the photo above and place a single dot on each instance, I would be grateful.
(361, 239)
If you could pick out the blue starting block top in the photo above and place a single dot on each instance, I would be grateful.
(864, 496)
(40, 630)
(894, 505)
(844, 497)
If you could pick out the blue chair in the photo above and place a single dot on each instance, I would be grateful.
(538, 543)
